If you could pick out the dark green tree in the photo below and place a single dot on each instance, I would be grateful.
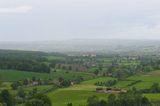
(69, 104)
(39, 100)
(6, 98)
(21, 93)
(102, 103)
(93, 101)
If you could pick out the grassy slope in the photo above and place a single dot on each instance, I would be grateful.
(61, 97)
(147, 79)
(78, 94)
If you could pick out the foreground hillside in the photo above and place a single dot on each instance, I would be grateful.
(33, 77)
(78, 94)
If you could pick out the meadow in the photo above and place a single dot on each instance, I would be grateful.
(14, 75)
(78, 94)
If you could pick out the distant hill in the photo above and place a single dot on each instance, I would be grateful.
(86, 45)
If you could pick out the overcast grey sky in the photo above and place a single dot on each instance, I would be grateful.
(30, 20)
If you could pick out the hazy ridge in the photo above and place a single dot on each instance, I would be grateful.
(85, 45)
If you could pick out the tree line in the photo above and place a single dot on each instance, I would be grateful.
(33, 98)
(23, 61)
(122, 99)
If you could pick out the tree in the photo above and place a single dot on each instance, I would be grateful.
(70, 68)
(96, 72)
(60, 79)
(39, 100)
(25, 82)
(111, 99)
(21, 93)
(155, 88)
(93, 101)
(69, 104)
(145, 101)
(66, 83)
(34, 102)
(102, 103)
(6, 98)
(15, 85)
(33, 78)
(33, 92)
(100, 67)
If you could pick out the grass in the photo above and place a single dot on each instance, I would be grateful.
(78, 97)
(78, 94)
(14, 75)
(154, 73)
(55, 57)
(153, 97)
(147, 81)
(39, 88)
(5, 85)
(123, 84)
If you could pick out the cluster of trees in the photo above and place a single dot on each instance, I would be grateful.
(75, 63)
(33, 98)
(66, 83)
(71, 67)
(108, 83)
(6, 98)
(122, 99)
(116, 65)
(125, 66)
(134, 82)
(63, 82)
(24, 65)
(27, 82)
(60, 82)
(148, 64)
(39, 100)
(24, 61)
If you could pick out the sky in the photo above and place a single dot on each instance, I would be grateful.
(38, 20)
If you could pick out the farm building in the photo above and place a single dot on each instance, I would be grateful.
(107, 90)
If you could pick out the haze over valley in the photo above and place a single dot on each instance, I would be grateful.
(79, 53)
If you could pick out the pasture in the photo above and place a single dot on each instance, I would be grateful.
(78, 94)
(14, 75)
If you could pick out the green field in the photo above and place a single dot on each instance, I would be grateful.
(78, 97)
(13, 75)
(78, 94)
(55, 58)
(147, 79)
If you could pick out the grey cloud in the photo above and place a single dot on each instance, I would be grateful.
(72, 19)
(19, 9)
